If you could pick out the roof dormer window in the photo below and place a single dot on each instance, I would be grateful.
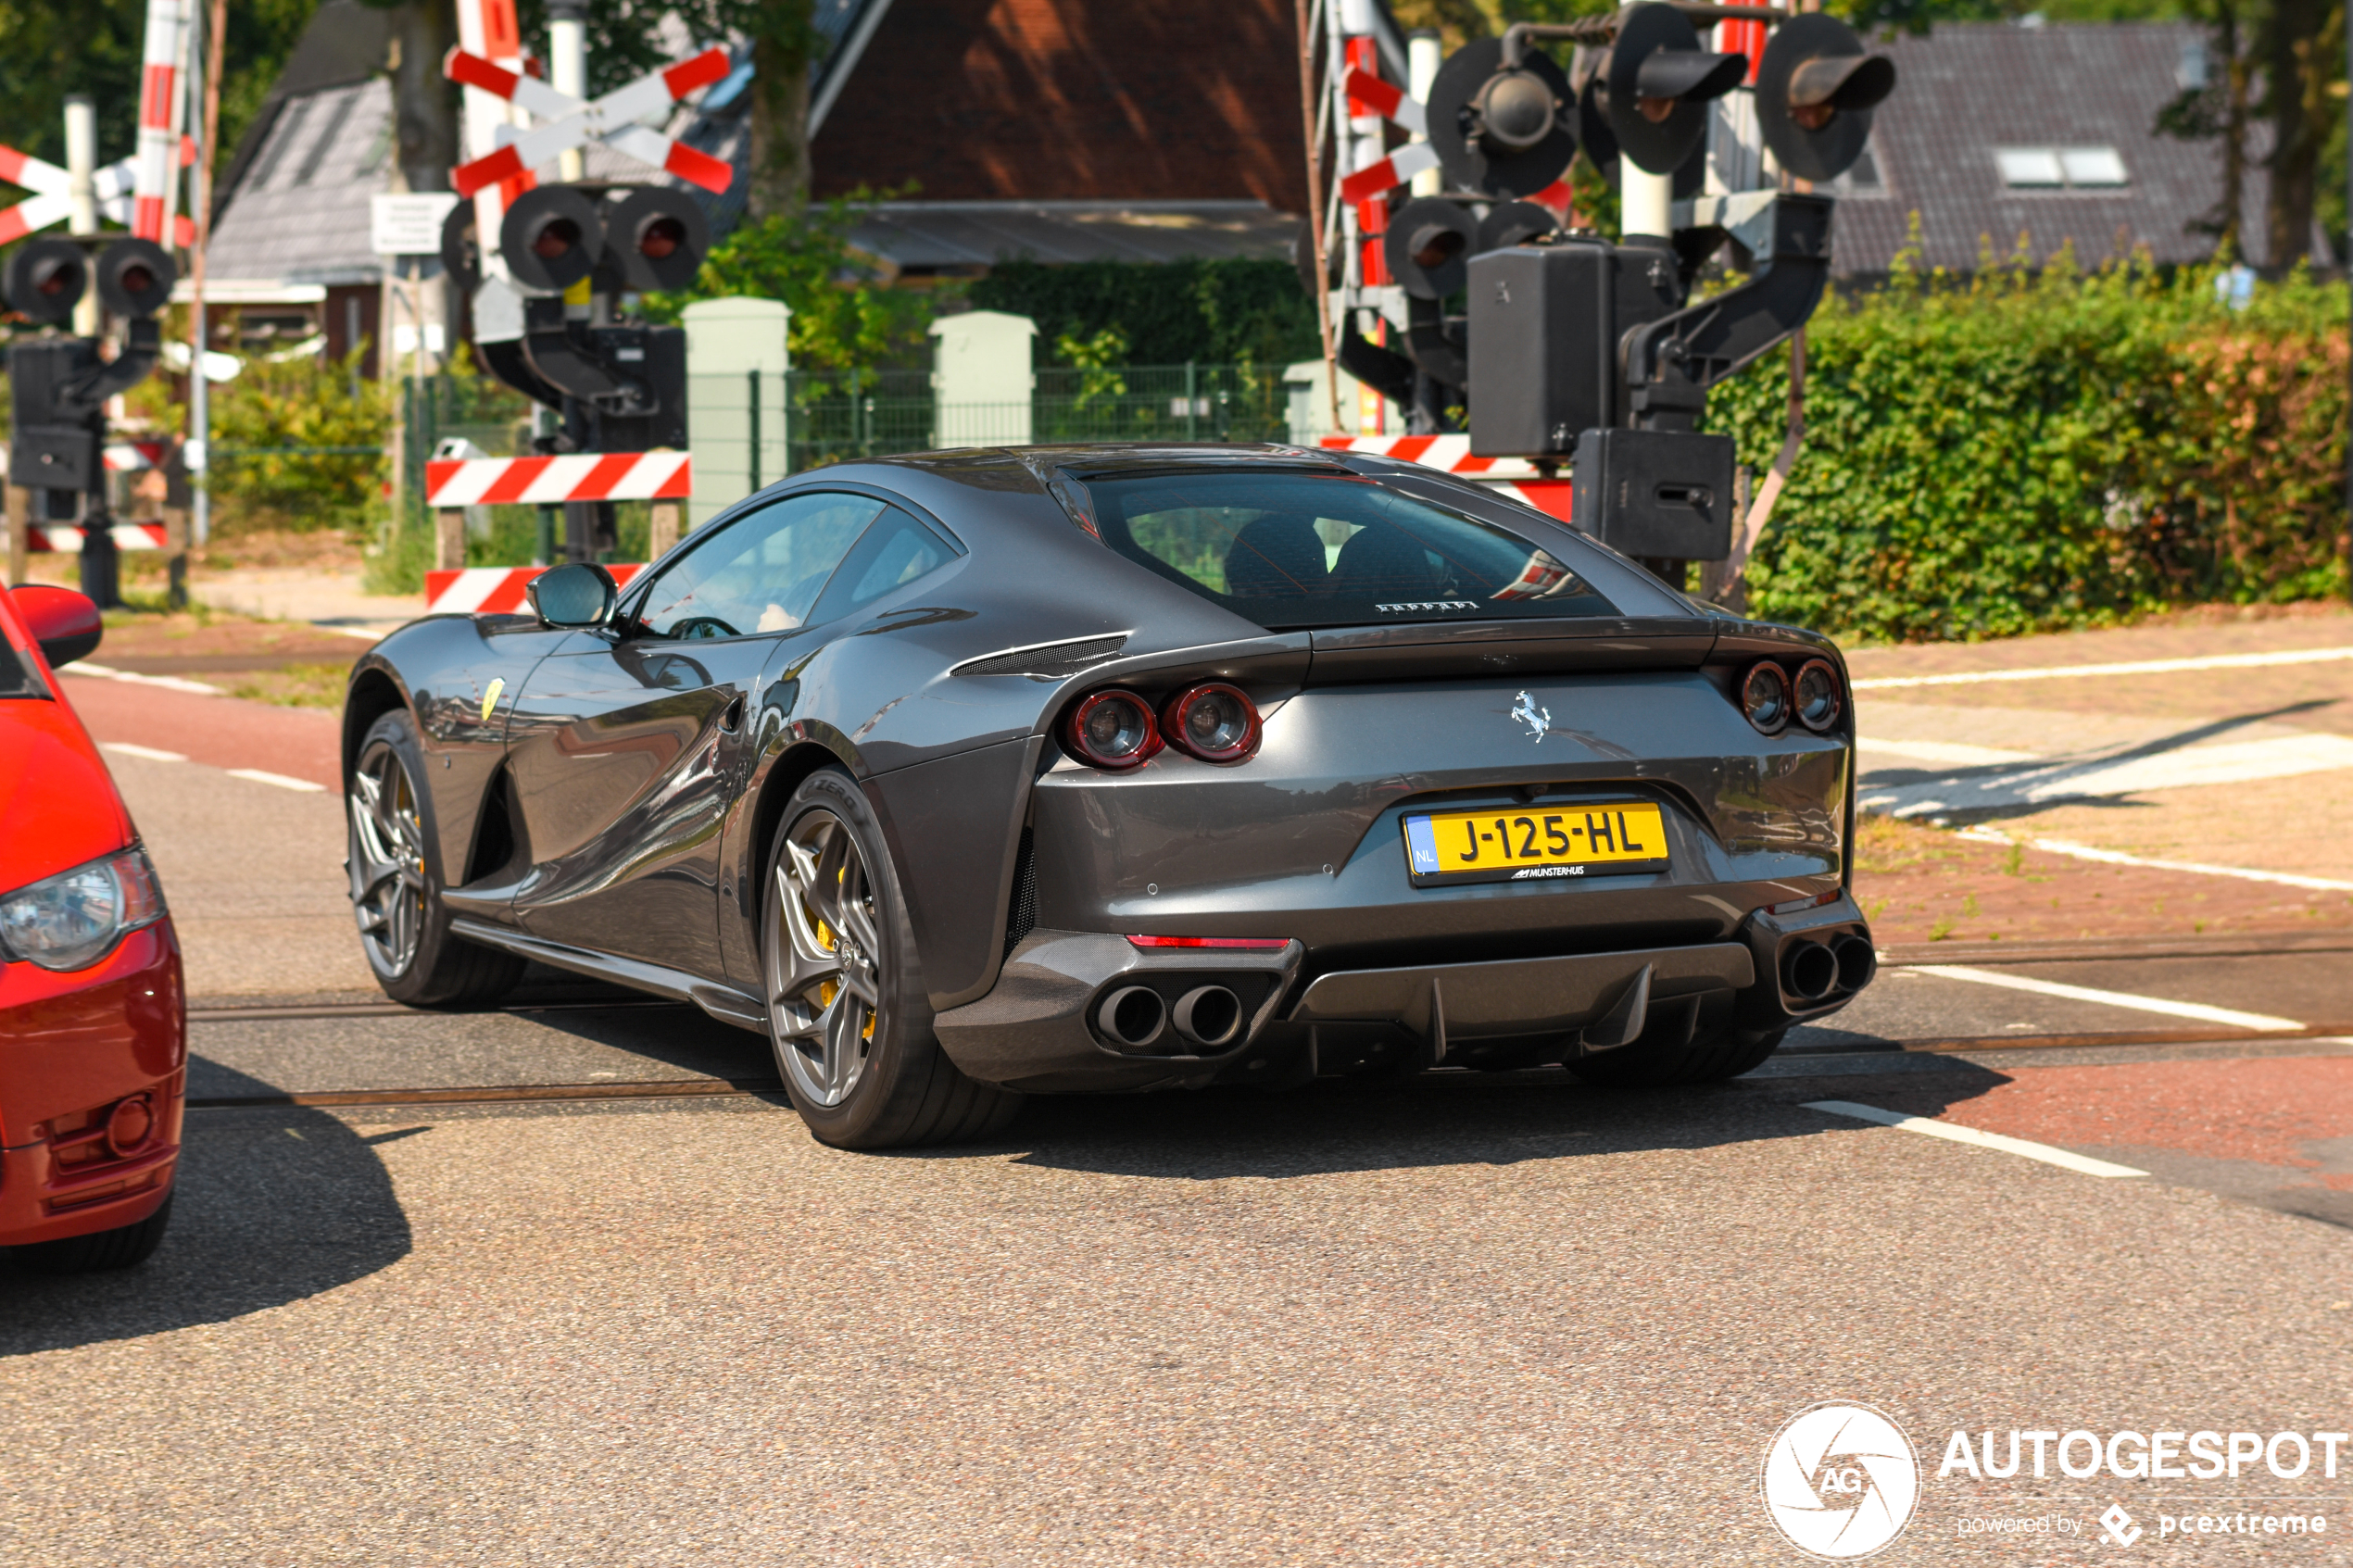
(2061, 169)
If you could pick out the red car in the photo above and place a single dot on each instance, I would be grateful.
(93, 1020)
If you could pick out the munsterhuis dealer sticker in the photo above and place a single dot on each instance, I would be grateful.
(1843, 1481)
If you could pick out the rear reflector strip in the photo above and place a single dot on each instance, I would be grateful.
(1262, 944)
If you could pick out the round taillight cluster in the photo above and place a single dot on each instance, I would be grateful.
(1113, 730)
(1815, 698)
(1213, 722)
(1117, 729)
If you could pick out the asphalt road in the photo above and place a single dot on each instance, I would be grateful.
(1465, 1319)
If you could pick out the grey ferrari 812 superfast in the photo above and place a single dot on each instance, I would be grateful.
(971, 775)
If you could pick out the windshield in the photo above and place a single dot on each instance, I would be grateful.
(1293, 550)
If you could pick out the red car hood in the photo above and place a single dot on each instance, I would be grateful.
(57, 803)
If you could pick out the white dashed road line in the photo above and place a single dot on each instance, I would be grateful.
(169, 682)
(2024, 1149)
(1952, 754)
(2198, 1010)
(2144, 667)
(150, 752)
(2118, 858)
(281, 780)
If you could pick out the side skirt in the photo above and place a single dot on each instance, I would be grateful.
(722, 1002)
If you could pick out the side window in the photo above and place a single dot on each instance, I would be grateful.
(894, 552)
(762, 572)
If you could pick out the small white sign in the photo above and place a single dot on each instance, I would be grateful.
(409, 225)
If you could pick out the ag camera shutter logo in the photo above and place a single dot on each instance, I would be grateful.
(1840, 1480)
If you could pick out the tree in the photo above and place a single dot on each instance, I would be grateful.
(424, 102)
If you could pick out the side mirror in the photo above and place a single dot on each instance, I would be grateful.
(580, 595)
(64, 624)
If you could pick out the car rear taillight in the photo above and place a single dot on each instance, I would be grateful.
(1765, 698)
(1215, 722)
(1817, 699)
(1111, 729)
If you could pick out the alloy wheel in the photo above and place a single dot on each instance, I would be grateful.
(387, 860)
(826, 971)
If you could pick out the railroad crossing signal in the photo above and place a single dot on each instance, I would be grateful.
(1576, 351)
(611, 119)
(52, 203)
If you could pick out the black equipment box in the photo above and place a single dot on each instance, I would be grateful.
(1664, 494)
(1544, 326)
(54, 458)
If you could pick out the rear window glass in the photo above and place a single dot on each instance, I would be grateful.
(1293, 551)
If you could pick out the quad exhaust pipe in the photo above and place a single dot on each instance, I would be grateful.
(1133, 1015)
(1207, 1018)
(1812, 971)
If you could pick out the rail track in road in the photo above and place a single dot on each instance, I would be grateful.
(1846, 1055)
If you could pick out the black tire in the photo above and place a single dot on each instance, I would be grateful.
(863, 1074)
(124, 1246)
(394, 864)
(1707, 1058)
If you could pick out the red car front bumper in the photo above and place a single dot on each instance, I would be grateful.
(87, 1059)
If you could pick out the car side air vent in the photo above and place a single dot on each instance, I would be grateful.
(1048, 661)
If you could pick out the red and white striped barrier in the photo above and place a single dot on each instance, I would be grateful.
(1515, 477)
(1451, 453)
(490, 590)
(67, 541)
(125, 457)
(611, 119)
(581, 476)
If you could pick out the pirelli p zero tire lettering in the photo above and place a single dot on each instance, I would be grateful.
(847, 1009)
(397, 881)
(1706, 1058)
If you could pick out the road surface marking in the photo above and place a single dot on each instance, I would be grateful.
(2064, 1159)
(150, 752)
(2188, 767)
(2144, 667)
(168, 683)
(2198, 1010)
(2118, 858)
(257, 776)
(1952, 753)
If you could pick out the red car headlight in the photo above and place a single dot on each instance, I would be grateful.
(73, 920)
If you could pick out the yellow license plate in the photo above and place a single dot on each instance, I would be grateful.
(1523, 844)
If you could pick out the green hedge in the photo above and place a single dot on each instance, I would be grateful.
(1162, 313)
(2028, 453)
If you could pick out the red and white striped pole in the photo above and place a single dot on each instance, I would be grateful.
(488, 30)
(159, 145)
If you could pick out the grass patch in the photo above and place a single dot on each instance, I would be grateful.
(1883, 844)
(296, 685)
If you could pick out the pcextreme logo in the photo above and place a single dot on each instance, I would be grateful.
(1840, 1480)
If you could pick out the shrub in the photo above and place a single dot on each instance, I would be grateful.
(2022, 453)
(301, 402)
(1164, 313)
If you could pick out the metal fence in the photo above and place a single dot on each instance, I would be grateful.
(833, 415)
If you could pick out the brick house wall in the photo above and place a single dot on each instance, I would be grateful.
(1072, 100)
